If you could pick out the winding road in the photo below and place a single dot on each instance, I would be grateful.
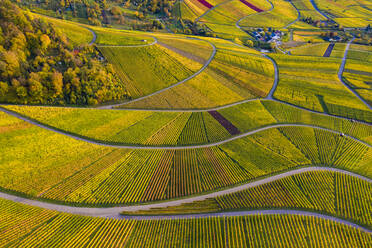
(276, 78)
(298, 15)
(94, 36)
(318, 10)
(237, 24)
(341, 71)
(115, 212)
(145, 147)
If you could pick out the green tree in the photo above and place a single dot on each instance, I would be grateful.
(21, 92)
(3, 88)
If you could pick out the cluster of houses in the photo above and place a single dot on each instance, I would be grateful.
(333, 39)
(270, 35)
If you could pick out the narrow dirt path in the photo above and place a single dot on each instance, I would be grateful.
(115, 212)
(341, 71)
(144, 147)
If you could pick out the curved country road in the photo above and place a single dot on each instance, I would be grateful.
(298, 15)
(115, 212)
(94, 35)
(318, 10)
(209, 10)
(341, 71)
(237, 24)
(173, 85)
(144, 147)
(276, 78)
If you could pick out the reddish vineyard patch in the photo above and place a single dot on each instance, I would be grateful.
(205, 3)
(251, 6)
(233, 130)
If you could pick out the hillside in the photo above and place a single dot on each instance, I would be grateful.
(193, 123)
(39, 65)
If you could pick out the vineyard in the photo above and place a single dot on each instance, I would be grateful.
(281, 15)
(195, 7)
(221, 123)
(51, 228)
(229, 13)
(357, 73)
(347, 13)
(328, 192)
(136, 127)
(249, 76)
(197, 50)
(144, 70)
(223, 18)
(95, 175)
(321, 92)
(307, 9)
(121, 38)
(317, 49)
